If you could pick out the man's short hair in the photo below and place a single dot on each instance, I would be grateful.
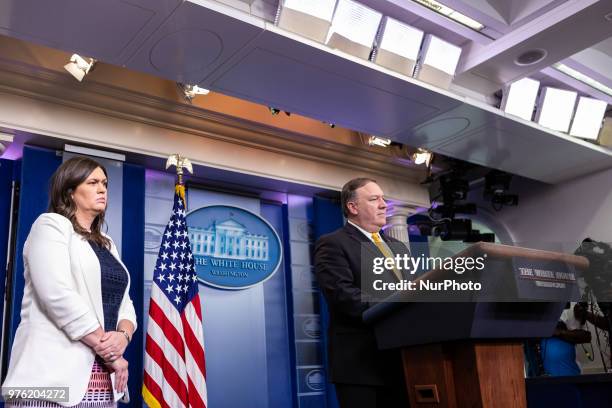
(348, 191)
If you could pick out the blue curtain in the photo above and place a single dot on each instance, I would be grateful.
(37, 167)
(6, 179)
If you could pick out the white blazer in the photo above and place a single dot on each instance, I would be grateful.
(62, 302)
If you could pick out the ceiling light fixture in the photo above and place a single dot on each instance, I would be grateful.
(422, 156)
(191, 91)
(79, 66)
(310, 18)
(5, 140)
(556, 108)
(353, 28)
(588, 118)
(439, 61)
(379, 141)
(452, 14)
(585, 79)
(399, 46)
(530, 57)
(520, 97)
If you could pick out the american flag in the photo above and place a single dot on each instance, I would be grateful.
(175, 370)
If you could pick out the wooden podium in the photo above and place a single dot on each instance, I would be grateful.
(470, 353)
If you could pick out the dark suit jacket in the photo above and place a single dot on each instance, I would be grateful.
(353, 355)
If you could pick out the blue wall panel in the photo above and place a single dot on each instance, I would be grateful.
(327, 218)
(277, 332)
(132, 256)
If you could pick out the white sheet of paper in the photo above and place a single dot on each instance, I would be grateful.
(116, 395)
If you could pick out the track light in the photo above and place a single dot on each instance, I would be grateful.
(79, 66)
(276, 111)
(422, 156)
(191, 91)
(379, 141)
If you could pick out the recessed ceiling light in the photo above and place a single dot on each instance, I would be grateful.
(531, 57)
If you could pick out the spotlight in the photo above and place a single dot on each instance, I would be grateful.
(274, 111)
(449, 211)
(500, 200)
(191, 91)
(79, 66)
(331, 125)
(454, 189)
(476, 236)
(453, 230)
(379, 141)
(422, 156)
(496, 182)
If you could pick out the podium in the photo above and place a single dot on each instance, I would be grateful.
(470, 353)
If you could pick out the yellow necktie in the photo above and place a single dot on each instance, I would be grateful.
(382, 246)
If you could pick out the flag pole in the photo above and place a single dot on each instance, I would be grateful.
(174, 361)
(180, 162)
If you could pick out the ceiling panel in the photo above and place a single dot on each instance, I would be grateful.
(449, 125)
(294, 76)
(194, 42)
(82, 26)
(509, 145)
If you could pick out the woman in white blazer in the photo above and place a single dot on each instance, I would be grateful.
(76, 315)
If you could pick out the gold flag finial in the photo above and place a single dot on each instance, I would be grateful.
(181, 162)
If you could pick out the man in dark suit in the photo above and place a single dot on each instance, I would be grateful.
(363, 375)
